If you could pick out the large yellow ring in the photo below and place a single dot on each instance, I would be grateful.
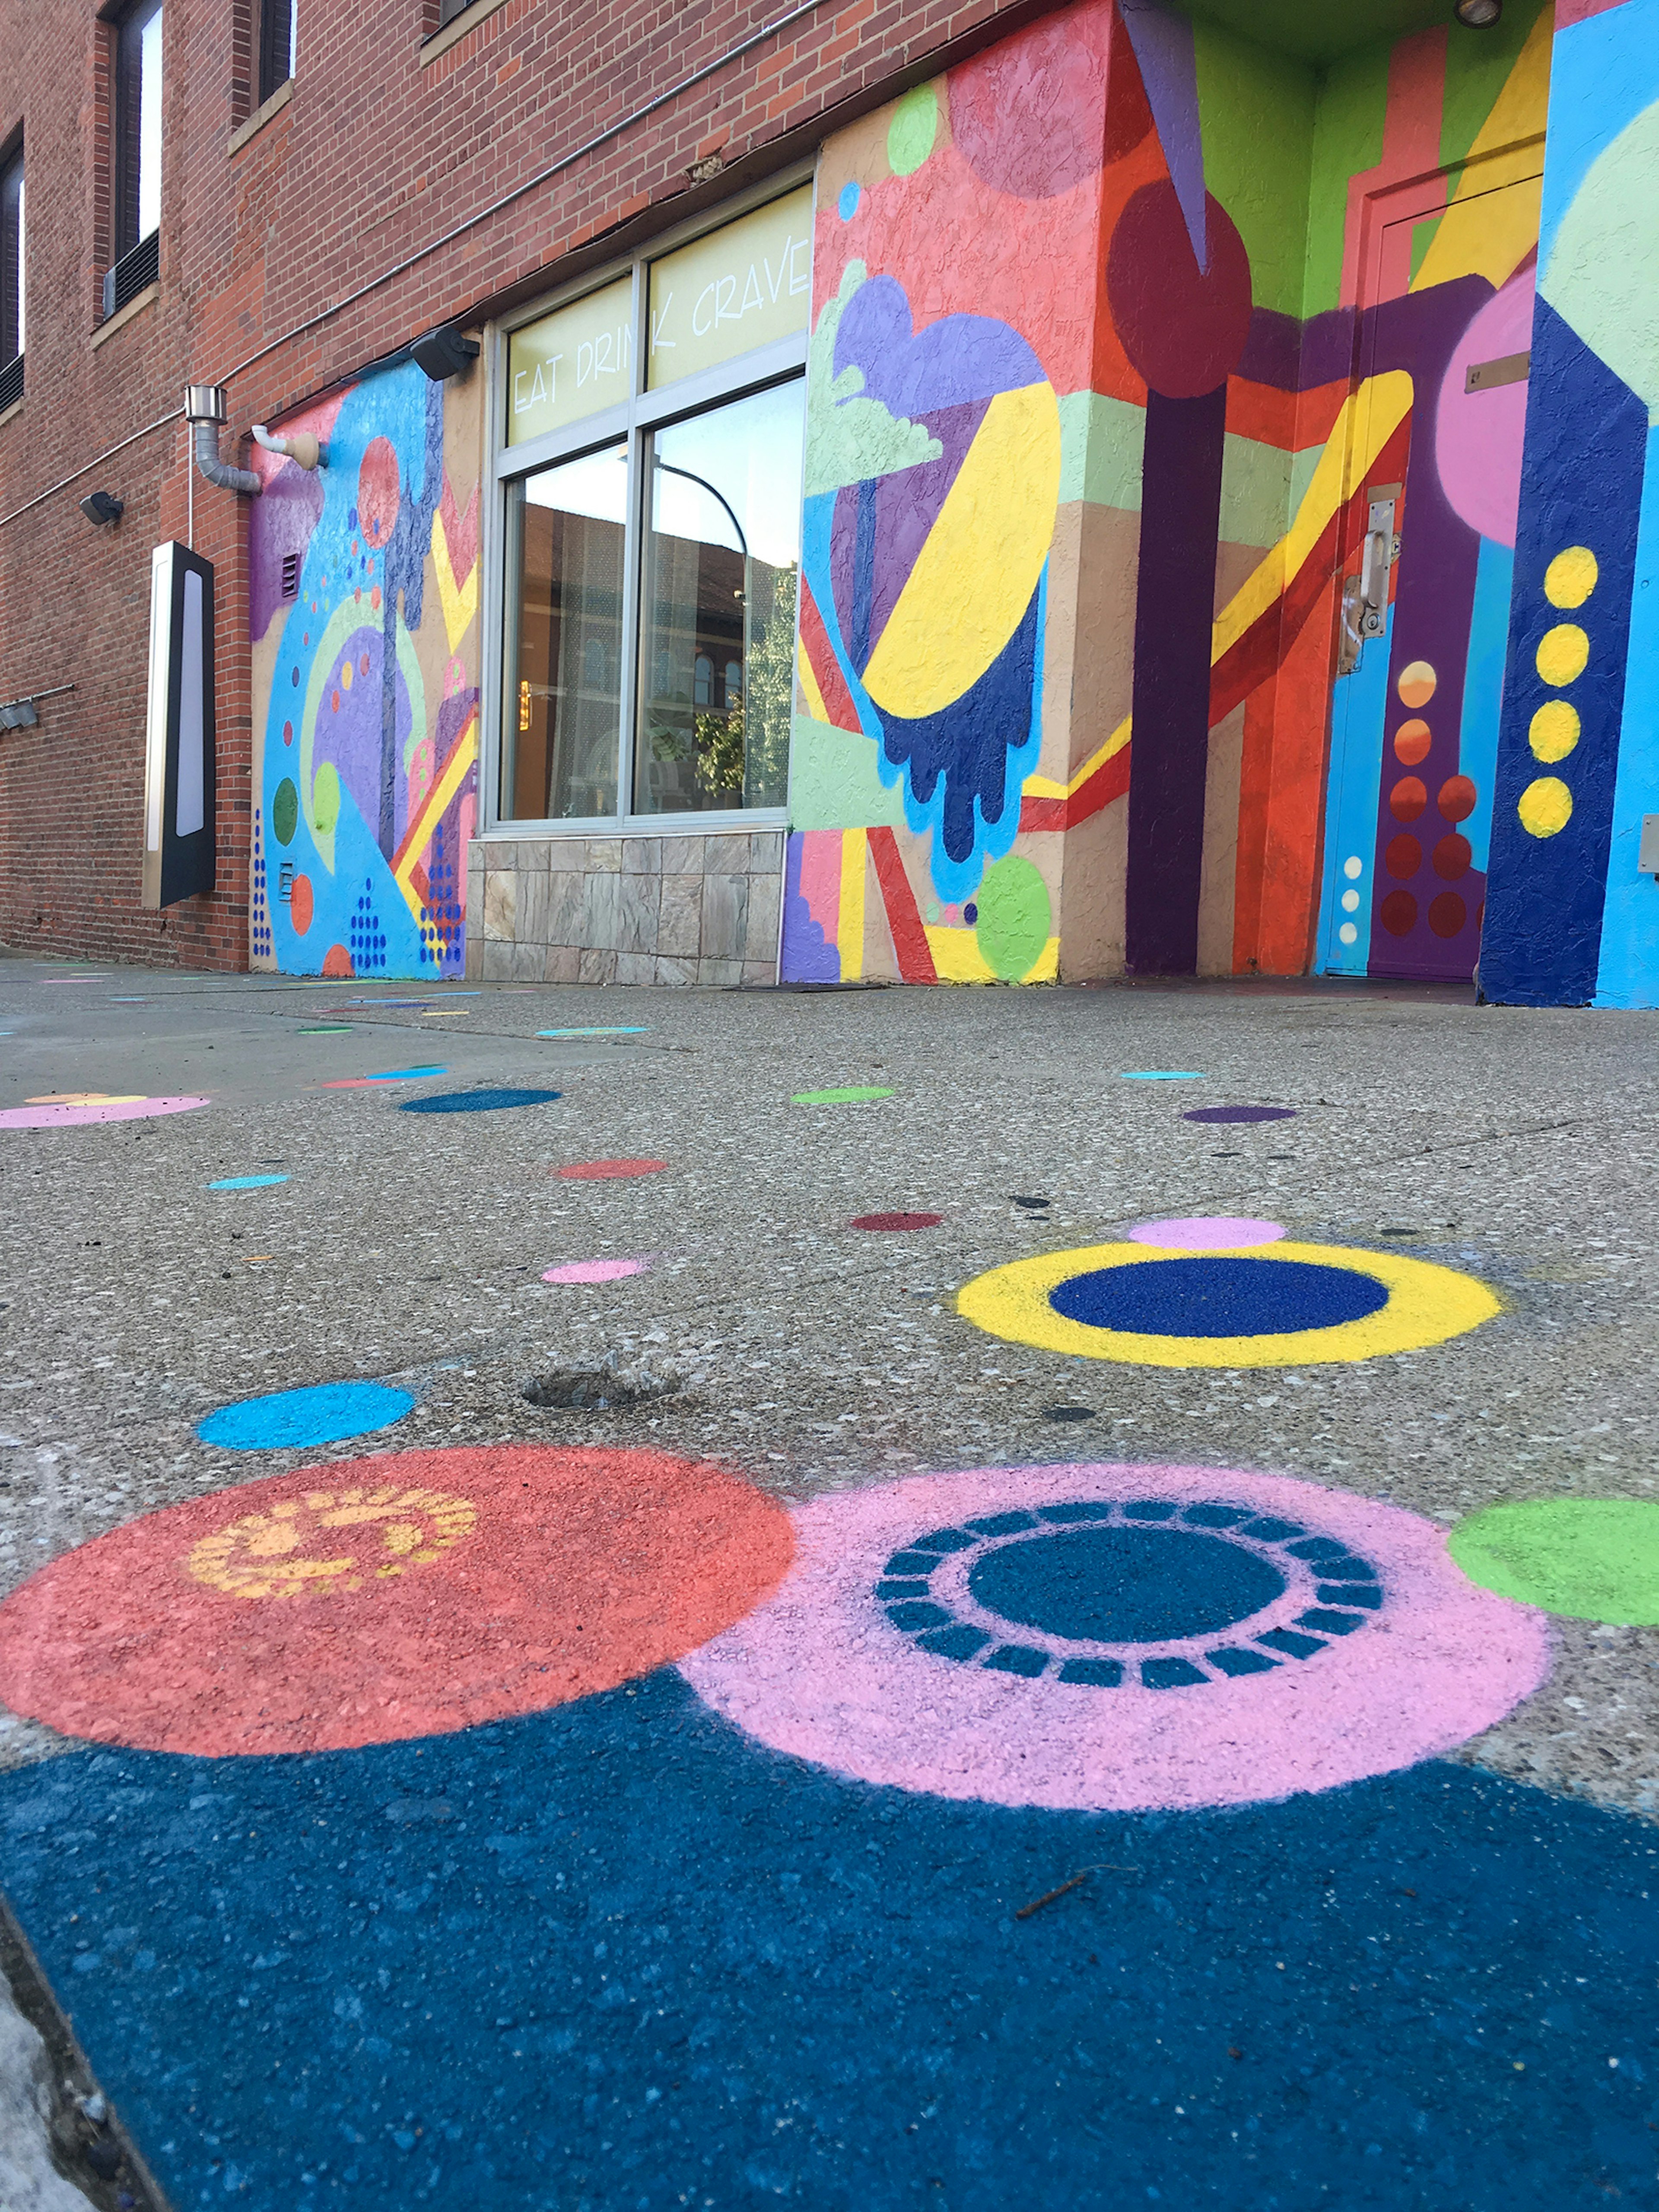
(1427, 1304)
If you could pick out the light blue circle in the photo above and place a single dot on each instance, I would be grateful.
(246, 1182)
(631, 1029)
(406, 1074)
(320, 1415)
(848, 205)
(1161, 1075)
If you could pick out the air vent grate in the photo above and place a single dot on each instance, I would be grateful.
(290, 575)
(139, 266)
(11, 382)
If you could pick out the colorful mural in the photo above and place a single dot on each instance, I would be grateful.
(1122, 333)
(362, 608)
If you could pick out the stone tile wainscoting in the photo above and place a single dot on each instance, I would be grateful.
(671, 910)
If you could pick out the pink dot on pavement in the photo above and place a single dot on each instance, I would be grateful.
(594, 1271)
(601, 1170)
(1207, 1232)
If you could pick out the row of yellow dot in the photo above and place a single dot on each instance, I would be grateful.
(1546, 804)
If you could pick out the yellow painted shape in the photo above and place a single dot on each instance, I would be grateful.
(1555, 730)
(958, 958)
(808, 686)
(1562, 654)
(1417, 683)
(1364, 424)
(1571, 577)
(974, 577)
(460, 760)
(1487, 232)
(1545, 806)
(1046, 787)
(849, 921)
(460, 600)
(1427, 1304)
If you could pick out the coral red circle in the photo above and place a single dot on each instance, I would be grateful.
(401, 1595)
(300, 904)
(378, 495)
(1183, 328)
(1452, 856)
(600, 1170)
(1412, 741)
(1408, 799)
(1398, 913)
(1447, 914)
(1457, 796)
(1403, 858)
(896, 1221)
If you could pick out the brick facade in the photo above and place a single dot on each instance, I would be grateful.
(390, 191)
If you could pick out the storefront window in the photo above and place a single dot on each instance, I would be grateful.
(648, 658)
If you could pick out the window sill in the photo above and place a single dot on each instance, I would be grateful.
(457, 28)
(136, 306)
(257, 122)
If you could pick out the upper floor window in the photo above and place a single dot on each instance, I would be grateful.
(278, 46)
(137, 125)
(448, 10)
(12, 252)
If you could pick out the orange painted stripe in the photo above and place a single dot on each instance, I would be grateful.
(916, 958)
(841, 712)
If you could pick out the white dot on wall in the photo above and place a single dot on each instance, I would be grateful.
(1350, 901)
(1353, 867)
(1348, 934)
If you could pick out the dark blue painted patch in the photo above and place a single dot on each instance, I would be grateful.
(321, 1415)
(1137, 1585)
(1217, 1296)
(615, 1955)
(477, 1102)
(1242, 1113)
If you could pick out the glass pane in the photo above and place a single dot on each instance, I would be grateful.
(150, 127)
(563, 708)
(739, 287)
(571, 363)
(717, 641)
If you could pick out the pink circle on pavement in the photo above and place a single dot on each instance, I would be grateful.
(594, 1271)
(117, 1109)
(1207, 1232)
(827, 1670)
(602, 1170)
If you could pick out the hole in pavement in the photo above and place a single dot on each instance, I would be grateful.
(606, 1388)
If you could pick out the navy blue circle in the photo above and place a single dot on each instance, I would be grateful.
(1124, 1585)
(1211, 1296)
(477, 1102)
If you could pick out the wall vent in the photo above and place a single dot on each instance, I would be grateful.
(290, 575)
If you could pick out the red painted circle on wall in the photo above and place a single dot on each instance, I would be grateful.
(1403, 858)
(1447, 914)
(300, 905)
(1412, 741)
(338, 961)
(378, 498)
(1408, 799)
(1452, 856)
(1457, 797)
(1398, 913)
(400, 1595)
(1183, 328)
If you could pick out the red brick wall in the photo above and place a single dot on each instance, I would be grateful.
(373, 159)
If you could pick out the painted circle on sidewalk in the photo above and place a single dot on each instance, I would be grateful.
(1118, 1638)
(89, 1107)
(594, 1271)
(403, 1594)
(1240, 1113)
(848, 1095)
(895, 1221)
(1591, 1559)
(324, 1413)
(1207, 1232)
(604, 1171)
(475, 1101)
(1281, 1304)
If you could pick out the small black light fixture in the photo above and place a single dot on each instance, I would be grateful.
(102, 508)
(445, 353)
(1478, 15)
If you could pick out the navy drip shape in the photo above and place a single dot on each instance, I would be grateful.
(1146, 1571)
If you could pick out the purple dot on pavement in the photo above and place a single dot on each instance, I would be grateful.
(1242, 1113)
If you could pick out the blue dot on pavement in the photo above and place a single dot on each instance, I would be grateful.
(1161, 1075)
(1215, 1296)
(848, 205)
(320, 1415)
(405, 1075)
(477, 1102)
(246, 1182)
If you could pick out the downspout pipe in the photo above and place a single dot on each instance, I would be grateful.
(205, 409)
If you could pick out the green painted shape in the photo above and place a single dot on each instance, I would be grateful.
(1318, 31)
(1256, 114)
(1422, 239)
(1353, 98)
(326, 1028)
(1102, 440)
(833, 783)
(1255, 492)
(850, 1096)
(1014, 916)
(1591, 1559)
(285, 812)
(1603, 272)
(1303, 465)
(326, 799)
(913, 131)
(851, 438)
(1478, 65)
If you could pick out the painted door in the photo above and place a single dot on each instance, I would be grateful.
(1414, 719)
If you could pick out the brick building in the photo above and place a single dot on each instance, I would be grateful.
(941, 492)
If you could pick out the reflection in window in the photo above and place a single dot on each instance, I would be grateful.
(566, 562)
(12, 332)
(138, 125)
(721, 556)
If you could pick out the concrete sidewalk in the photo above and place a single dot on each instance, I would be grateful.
(714, 1935)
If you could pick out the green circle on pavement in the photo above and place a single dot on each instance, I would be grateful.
(834, 1097)
(1591, 1558)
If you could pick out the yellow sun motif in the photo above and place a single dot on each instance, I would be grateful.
(297, 1549)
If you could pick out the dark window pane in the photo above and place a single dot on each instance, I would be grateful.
(448, 9)
(564, 705)
(717, 639)
(277, 57)
(12, 252)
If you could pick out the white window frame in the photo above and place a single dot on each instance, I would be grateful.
(633, 420)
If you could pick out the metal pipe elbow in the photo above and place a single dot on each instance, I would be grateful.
(220, 473)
